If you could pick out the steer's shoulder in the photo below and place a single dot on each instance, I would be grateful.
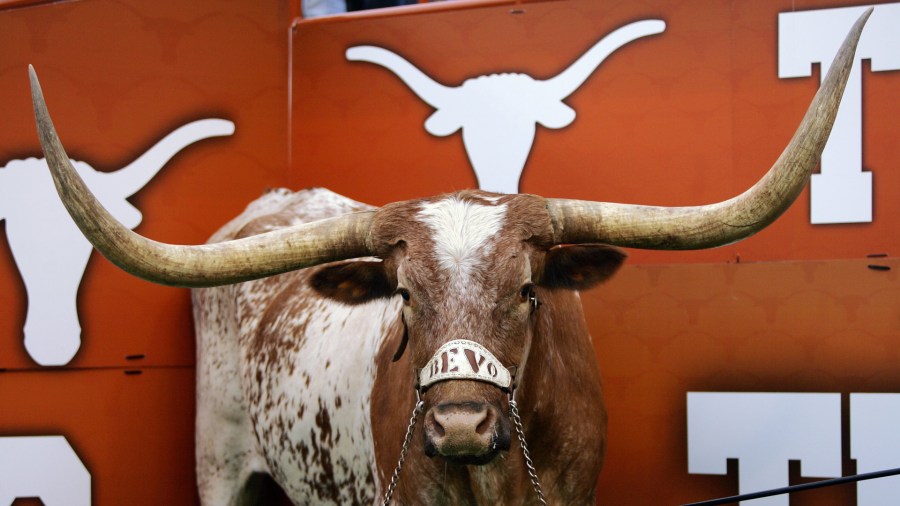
(280, 208)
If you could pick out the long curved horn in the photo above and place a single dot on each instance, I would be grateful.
(194, 266)
(677, 228)
(567, 81)
(426, 88)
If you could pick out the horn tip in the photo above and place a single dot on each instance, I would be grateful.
(46, 131)
(37, 100)
(33, 78)
(37, 96)
(863, 19)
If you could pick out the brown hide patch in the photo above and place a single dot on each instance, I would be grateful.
(287, 297)
(393, 398)
(561, 400)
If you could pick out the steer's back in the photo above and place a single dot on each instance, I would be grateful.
(284, 375)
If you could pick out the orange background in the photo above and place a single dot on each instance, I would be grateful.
(690, 116)
(118, 75)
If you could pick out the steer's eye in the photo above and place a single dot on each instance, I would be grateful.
(404, 294)
(529, 296)
(527, 292)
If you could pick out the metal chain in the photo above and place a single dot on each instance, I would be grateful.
(406, 440)
(517, 421)
(520, 432)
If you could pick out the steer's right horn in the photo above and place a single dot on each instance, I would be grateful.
(194, 266)
(676, 228)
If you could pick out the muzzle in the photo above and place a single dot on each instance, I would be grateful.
(464, 359)
(466, 432)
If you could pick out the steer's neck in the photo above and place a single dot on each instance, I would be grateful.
(561, 402)
(562, 413)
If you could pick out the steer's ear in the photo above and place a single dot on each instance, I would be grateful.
(353, 282)
(579, 267)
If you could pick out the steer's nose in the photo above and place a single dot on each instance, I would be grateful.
(469, 432)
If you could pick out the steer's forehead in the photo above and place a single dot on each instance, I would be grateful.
(463, 234)
(462, 240)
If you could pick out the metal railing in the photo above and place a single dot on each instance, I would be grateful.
(798, 488)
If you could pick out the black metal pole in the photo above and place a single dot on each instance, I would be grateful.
(798, 488)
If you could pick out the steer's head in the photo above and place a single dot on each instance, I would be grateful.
(469, 268)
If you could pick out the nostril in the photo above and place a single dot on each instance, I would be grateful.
(433, 426)
(438, 428)
(487, 422)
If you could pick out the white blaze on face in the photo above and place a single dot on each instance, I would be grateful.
(462, 233)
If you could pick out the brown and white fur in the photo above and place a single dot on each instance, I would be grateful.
(296, 380)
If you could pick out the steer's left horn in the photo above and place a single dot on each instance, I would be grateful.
(676, 228)
(203, 265)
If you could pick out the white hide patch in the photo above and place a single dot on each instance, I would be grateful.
(339, 392)
(461, 233)
(295, 401)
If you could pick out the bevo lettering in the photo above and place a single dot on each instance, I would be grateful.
(435, 368)
(452, 360)
(464, 359)
(475, 361)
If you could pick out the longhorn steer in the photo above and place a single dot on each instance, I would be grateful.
(309, 353)
(295, 378)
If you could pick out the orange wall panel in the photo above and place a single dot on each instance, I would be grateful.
(134, 432)
(118, 76)
(663, 330)
(690, 116)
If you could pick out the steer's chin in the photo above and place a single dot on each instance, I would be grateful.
(474, 460)
(468, 456)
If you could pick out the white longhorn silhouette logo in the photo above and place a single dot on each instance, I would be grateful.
(49, 250)
(498, 113)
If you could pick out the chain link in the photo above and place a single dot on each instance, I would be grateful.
(517, 421)
(406, 440)
(520, 432)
